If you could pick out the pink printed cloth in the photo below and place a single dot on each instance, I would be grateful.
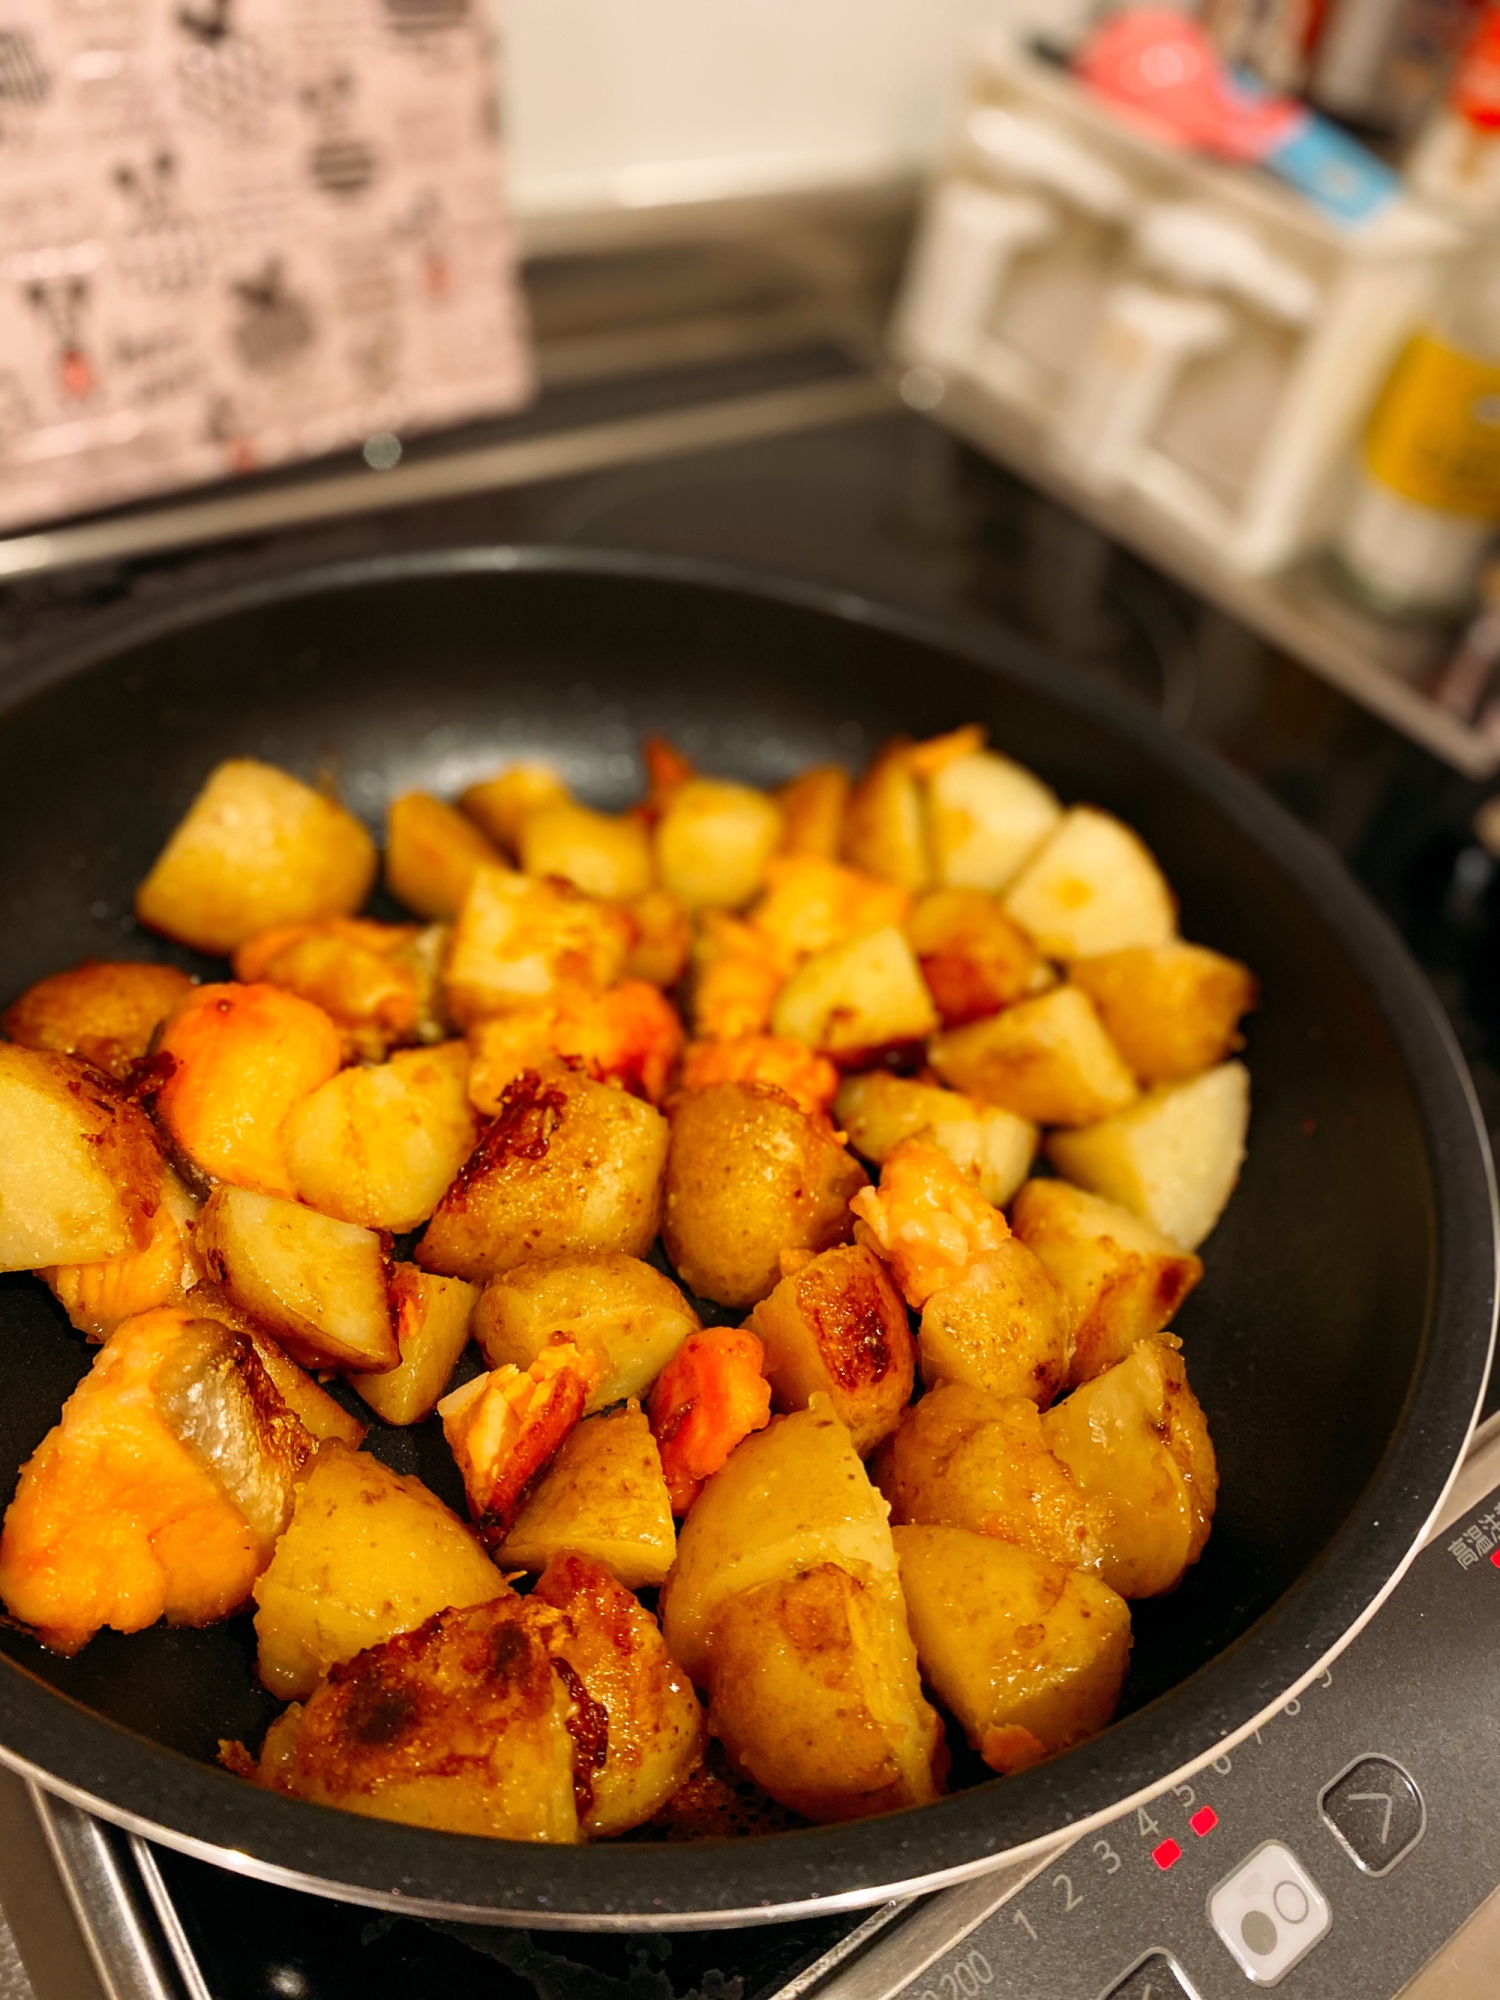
(235, 233)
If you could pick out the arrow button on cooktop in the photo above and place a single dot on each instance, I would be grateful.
(1377, 1812)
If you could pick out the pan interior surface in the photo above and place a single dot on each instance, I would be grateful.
(1340, 1334)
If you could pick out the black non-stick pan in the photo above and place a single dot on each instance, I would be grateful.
(1339, 1342)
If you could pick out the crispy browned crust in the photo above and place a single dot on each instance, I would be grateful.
(857, 1316)
(521, 1131)
(124, 1139)
(103, 1013)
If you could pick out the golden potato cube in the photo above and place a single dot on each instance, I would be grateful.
(885, 824)
(368, 1554)
(1004, 1327)
(432, 1331)
(80, 1170)
(987, 817)
(789, 1497)
(604, 1496)
(257, 848)
(1013, 1643)
(432, 854)
(748, 1176)
(615, 1307)
(1136, 1441)
(518, 941)
(567, 1164)
(857, 998)
(812, 811)
(1173, 1158)
(499, 804)
(105, 1014)
(1047, 1060)
(318, 1285)
(604, 854)
(380, 1145)
(1170, 1009)
(713, 843)
(837, 1327)
(962, 1458)
(973, 958)
(1093, 887)
(814, 1693)
(1121, 1277)
(992, 1146)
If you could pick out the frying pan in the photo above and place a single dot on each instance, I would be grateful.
(1339, 1343)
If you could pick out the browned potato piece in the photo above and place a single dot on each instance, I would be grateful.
(1048, 1060)
(380, 1145)
(517, 941)
(855, 999)
(368, 1554)
(974, 959)
(713, 843)
(80, 1170)
(748, 1176)
(814, 1693)
(988, 816)
(1122, 1278)
(463, 1724)
(838, 1327)
(1003, 1327)
(432, 1331)
(655, 1727)
(97, 1297)
(318, 1285)
(1029, 1656)
(1136, 1441)
(604, 854)
(105, 1014)
(256, 849)
(616, 1307)
(604, 1496)
(1170, 1009)
(812, 811)
(501, 803)
(1093, 887)
(993, 1147)
(568, 1164)
(962, 1458)
(432, 854)
(885, 826)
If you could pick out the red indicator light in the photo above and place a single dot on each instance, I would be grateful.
(1204, 1821)
(1166, 1854)
(1495, 1558)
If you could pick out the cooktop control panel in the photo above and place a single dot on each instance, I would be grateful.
(1325, 1857)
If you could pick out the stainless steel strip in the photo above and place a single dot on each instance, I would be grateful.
(662, 434)
(183, 1956)
(95, 1863)
(14, 1984)
(45, 1958)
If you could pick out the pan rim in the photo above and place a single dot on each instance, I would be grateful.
(196, 1808)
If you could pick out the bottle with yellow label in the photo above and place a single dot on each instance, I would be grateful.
(1428, 500)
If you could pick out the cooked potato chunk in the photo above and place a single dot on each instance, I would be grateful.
(106, 1014)
(855, 999)
(1047, 1060)
(500, 804)
(432, 1331)
(464, 1724)
(257, 848)
(604, 1497)
(613, 1306)
(604, 854)
(988, 816)
(161, 1490)
(973, 958)
(992, 1146)
(1173, 1158)
(1121, 1277)
(235, 1060)
(837, 1327)
(567, 1164)
(811, 904)
(432, 854)
(1029, 1656)
(517, 942)
(318, 1285)
(380, 1146)
(1003, 1327)
(368, 1554)
(655, 1731)
(80, 1170)
(748, 1176)
(1170, 1009)
(1136, 1441)
(814, 1693)
(96, 1297)
(374, 981)
(713, 842)
(962, 1458)
(812, 811)
(1093, 887)
(885, 825)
